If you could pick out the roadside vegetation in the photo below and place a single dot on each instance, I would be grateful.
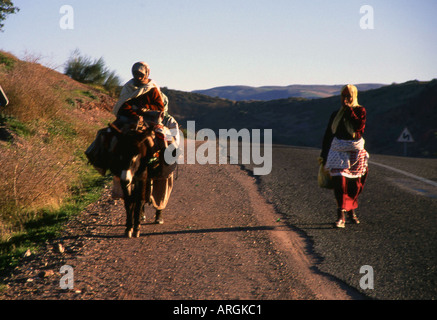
(45, 179)
(92, 71)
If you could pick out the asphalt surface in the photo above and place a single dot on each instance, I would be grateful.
(397, 238)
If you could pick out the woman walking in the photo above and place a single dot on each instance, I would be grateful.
(343, 154)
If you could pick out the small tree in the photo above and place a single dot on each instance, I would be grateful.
(6, 7)
(87, 70)
(112, 83)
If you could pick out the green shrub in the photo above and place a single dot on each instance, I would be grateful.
(86, 70)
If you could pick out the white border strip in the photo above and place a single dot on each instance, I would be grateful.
(433, 183)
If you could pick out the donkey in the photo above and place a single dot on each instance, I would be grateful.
(132, 155)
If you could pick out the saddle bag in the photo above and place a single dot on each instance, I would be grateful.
(158, 168)
(98, 153)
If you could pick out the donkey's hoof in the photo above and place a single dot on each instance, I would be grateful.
(136, 234)
(128, 233)
(158, 217)
(159, 220)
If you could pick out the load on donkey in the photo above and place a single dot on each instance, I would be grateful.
(132, 148)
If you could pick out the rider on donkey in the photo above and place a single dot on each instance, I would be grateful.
(139, 95)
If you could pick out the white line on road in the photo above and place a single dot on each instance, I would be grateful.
(433, 183)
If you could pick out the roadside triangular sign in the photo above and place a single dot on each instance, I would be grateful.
(405, 136)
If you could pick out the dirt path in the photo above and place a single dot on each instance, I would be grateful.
(220, 240)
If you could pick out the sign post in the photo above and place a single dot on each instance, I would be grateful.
(3, 99)
(406, 138)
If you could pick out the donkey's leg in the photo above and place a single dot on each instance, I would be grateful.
(137, 215)
(138, 201)
(137, 225)
(129, 218)
(129, 222)
(158, 217)
(128, 205)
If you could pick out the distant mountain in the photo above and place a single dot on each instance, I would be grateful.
(266, 93)
(302, 122)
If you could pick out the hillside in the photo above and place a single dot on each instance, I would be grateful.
(49, 122)
(267, 93)
(302, 122)
(189, 106)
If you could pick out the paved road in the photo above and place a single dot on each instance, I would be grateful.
(220, 241)
(215, 209)
(397, 236)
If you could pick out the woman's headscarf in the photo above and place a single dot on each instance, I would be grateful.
(353, 91)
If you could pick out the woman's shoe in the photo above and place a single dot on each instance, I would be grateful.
(353, 217)
(341, 222)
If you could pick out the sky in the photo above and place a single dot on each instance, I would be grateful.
(200, 44)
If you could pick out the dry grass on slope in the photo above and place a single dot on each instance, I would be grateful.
(44, 130)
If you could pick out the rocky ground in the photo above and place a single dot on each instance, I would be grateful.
(220, 241)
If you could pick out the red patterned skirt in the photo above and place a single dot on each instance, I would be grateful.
(347, 190)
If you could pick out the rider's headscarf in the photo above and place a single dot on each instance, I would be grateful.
(132, 89)
(353, 91)
(141, 67)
